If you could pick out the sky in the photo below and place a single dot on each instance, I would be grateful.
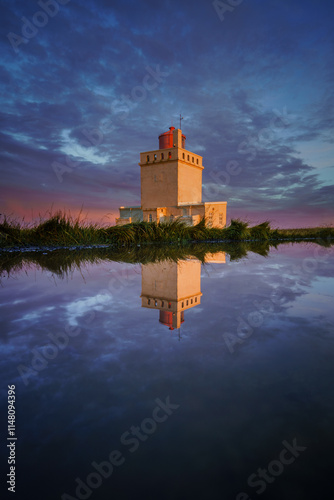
(88, 85)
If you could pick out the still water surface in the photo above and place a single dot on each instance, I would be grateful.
(174, 380)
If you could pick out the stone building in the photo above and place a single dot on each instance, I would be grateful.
(171, 186)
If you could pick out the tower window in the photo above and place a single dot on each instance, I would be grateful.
(188, 157)
(150, 218)
(169, 154)
(148, 158)
(155, 157)
(162, 156)
(197, 161)
(155, 303)
(162, 304)
(148, 301)
(183, 156)
(182, 304)
(195, 299)
(192, 159)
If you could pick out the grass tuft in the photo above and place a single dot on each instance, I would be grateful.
(61, 230)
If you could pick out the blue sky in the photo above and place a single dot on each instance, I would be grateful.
(86, 86)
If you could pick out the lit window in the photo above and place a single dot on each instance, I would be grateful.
(169, 154)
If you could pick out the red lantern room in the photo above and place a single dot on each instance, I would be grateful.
(166, 139)
(166, 318)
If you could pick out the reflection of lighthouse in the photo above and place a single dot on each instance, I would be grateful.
(171, 287)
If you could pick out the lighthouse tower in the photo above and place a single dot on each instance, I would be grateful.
(174, 287)
(171, 288)
(171, 186)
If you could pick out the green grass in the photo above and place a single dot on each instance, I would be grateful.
(61, 230)
(141, 242)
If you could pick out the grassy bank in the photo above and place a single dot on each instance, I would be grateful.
(62, 230)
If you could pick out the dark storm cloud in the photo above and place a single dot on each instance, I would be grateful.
(99, 82)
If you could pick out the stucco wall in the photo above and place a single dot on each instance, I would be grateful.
(159, 185)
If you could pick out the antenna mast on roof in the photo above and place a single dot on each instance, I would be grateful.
(181, 118)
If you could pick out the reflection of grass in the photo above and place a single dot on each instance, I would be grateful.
(62, 262)
(61, 229)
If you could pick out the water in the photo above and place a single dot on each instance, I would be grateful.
(237, 403)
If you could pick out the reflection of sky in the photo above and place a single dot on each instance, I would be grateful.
(235, 409)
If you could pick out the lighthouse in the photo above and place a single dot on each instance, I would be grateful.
(174, 287)
(171, 186)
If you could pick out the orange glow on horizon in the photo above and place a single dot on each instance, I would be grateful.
(32, 205)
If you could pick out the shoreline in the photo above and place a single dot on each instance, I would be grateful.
(183, 244)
